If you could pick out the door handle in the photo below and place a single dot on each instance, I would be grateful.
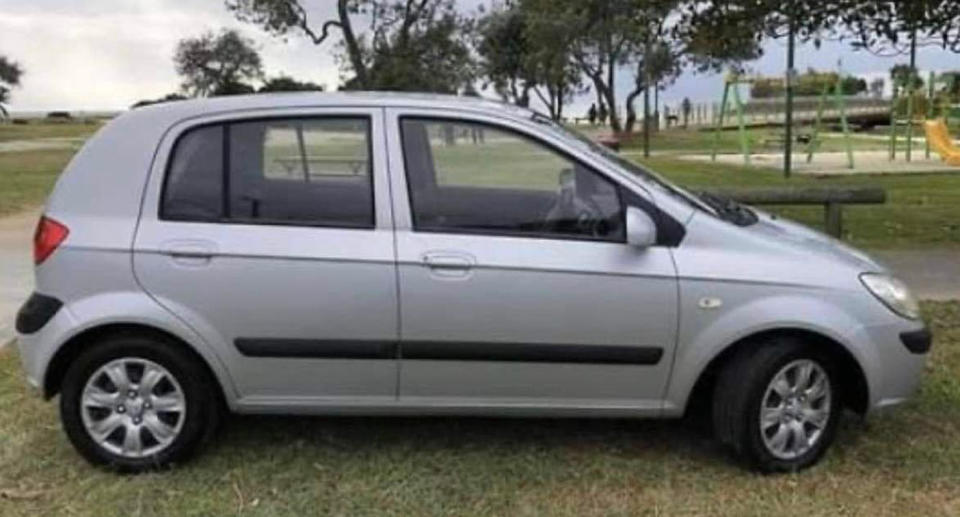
(449, 264)
(189, 252)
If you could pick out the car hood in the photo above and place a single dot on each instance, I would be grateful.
(804, 240)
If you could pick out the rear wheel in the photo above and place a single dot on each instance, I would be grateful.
(135, 402)
(776, 405)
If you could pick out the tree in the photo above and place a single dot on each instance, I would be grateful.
(10, 73)
(900, 76)
(285, 83)
(409, 44)
(657, 68)
(217, 64)
(166, 98)
(416, 46)
(505, 54)
(281, 17)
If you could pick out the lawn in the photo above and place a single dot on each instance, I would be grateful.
(43, 129)
(26, 177)
(921, 210)
(904, 462)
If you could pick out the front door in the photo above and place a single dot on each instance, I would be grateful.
(272, 237)
(516, 285)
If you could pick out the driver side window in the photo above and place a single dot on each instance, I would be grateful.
(466, 177)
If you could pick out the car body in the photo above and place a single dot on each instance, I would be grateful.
(374, 253)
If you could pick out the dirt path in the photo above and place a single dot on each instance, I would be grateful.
(16, 266)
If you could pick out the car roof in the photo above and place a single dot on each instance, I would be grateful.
(179, 110)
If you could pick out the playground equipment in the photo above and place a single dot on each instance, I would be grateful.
(938, 138)
(732, 83)
(939, 104)
(841, 105)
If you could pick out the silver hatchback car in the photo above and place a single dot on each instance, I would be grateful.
(403, 254)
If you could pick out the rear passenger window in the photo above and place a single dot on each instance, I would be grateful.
(194, 189)
(310, 172)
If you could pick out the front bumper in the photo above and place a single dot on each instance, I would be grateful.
(899, 355)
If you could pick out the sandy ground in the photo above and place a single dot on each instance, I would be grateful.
(40, 144)
(16, 267)
(828, 164)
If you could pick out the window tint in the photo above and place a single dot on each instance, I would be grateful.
(194, 188)
(465, 176)
(312, 171)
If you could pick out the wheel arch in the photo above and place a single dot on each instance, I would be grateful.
(75, 345)
(854, 385)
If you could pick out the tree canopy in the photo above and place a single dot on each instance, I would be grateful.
(10, 73)
(217, 64)
(285, 83)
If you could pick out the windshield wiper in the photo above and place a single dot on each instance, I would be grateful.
(729, 210)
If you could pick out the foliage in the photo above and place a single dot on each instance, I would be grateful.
(217, 64)
(506, 54)
(416, 46)
(889, 27)
(166, 98)
(285, 83)
(10, 73)
(409, 45)
(900, 75)
(809, 84)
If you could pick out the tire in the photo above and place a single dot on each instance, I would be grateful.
(170, 402)
(746, 384)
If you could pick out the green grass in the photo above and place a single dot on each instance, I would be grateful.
(905, 462)
(921, 209)
(762, 140)
(42, 129)
(26, 177)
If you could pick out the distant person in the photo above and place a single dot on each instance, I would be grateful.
(592, 114)
(687, 108)
(602, 114)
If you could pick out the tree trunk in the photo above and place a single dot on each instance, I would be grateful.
(631, 111)
(610, 94)
(353, 48)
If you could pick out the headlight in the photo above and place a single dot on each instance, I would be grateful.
(893, 293)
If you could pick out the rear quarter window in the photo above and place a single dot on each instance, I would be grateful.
(194, 185)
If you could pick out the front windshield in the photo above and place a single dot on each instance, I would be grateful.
(605, 153)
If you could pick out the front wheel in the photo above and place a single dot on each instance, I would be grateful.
(136, 402)
(776, 405)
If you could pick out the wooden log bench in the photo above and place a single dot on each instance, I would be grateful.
(831, 198)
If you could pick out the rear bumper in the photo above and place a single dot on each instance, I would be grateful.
(36, 312)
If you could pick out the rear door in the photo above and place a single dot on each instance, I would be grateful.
(517, 288)
(272, 237)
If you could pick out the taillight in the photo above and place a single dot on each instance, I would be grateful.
(47, 238)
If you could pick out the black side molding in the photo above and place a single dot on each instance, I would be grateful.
(36, 312)
(531, 352)
(918, 341)
(448, 351)
(316, 348)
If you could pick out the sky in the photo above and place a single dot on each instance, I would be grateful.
(108, 54)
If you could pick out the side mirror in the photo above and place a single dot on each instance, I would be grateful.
(641, 230)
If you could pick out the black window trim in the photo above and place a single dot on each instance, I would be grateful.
(623, 193)
(225, 217)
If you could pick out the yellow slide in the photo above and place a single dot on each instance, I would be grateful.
(940, 141)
